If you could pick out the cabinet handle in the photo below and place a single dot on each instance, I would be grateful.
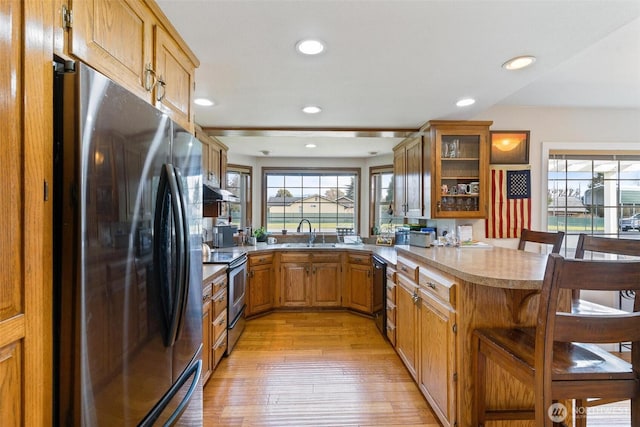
(222, 321)
(307, 270)
(160, 91)
(368, 273)
(251, 273)
(415, 297)
(149, 78)
(314, 270)
(431, 285)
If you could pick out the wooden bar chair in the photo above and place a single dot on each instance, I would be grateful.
(609, 246)
(548, 357)
(542, 237)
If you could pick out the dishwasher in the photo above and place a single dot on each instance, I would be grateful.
(379, 294)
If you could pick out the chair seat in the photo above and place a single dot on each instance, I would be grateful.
(582, 306)
(577, 361)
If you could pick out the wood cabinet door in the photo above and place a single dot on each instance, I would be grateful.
(260, 289)
(206, 340)
(437, 357)
(114, 36)
(413, 172)
(358, 288)
(12, 305)
(326, 289)
(176, 73)
(406, 325)
(294, 282)
(399, 180)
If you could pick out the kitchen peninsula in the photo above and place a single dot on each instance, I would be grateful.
(441, 295)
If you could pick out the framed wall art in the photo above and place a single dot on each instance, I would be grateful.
(509, 147)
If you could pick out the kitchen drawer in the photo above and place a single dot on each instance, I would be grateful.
(220, 324)
(261, 259)
(441, 284)
(219, 303)
(206, 291)
(391, 333)
(329, 256)
(391, 292)
(359, 259)
(219, 349)
(295, 257)
(391, 275)
(219, 283)
(391, 312)
(407, 268)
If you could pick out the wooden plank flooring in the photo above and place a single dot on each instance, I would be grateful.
(325, 369)
(313, 369)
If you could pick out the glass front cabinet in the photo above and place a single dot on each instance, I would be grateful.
(459, 160)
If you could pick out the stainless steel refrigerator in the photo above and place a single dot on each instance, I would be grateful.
(128, 265)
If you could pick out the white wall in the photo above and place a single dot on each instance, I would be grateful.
(607, 129)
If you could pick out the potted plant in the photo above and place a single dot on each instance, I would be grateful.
(260, 234)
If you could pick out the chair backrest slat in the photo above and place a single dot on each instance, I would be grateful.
(542, 237)
(597, 329)
(629, 247)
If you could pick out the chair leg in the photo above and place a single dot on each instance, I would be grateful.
(479, 383)
(580, 418)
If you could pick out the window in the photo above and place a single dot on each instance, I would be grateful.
(327, 198)
(593, 194)
(381, 219)
(239, 183)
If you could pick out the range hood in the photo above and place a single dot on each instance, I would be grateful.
(212, 194)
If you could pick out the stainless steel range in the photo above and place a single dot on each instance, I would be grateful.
(236, 261)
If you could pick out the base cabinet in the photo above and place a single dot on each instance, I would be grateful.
(214, 322)
(406, 324)
(391, 305)
(260, 284)
(437, 374)
(310, 279)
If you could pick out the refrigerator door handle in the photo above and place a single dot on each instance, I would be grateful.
(170, 219)
(184, 252)
(194, 371)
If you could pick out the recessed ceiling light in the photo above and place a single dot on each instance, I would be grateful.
(519, 62)
(311, 145)
(204, 102)
(310, 47)
(311, 109)
(465, 102)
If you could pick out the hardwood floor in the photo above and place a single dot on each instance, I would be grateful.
(325, 369)
(313, 369)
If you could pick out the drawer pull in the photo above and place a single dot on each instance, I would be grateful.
(222, 321)
(431, 285)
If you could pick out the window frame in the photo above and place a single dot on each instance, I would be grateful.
(266, 170)
(246, 201)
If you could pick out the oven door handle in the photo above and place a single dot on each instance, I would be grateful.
(170, 218)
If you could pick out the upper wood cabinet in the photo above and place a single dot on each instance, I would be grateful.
(115, 37)
(408, 182)
(133, 43)
(214, 159)
(175, 79)
(459, 164)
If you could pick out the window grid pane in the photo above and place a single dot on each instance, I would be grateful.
(327, 200)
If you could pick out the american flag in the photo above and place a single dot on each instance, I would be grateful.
(509, 202)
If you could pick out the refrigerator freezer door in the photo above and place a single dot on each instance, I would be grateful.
(114, 366)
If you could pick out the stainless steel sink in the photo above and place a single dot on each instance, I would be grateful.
(307, 245)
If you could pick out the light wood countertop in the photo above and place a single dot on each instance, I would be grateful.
(494, 266)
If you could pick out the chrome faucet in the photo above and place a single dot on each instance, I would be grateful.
(312, 235)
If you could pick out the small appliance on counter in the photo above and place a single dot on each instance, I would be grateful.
(223, 236)
(402, 236)
(424, 238)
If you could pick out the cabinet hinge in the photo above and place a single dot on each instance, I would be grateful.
(455, 328)
(67, 17)
(455, 376)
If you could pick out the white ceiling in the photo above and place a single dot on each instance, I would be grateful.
(394, 64)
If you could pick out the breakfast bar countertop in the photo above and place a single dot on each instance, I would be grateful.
(489, 266)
